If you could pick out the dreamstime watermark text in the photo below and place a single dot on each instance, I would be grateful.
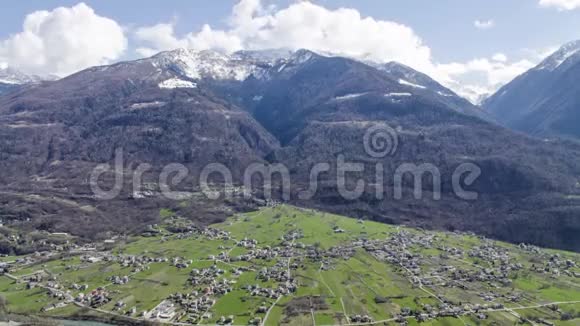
(380, 143)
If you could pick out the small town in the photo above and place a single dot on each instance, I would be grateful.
(225, 276)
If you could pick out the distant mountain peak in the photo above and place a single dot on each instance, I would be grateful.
(15, 77)
(203, 64)
(567, 51)
(302, 55)
(544, 100)
(268, 56)
(12, 79)
(408, 76)
(238, 66)
(220, 66)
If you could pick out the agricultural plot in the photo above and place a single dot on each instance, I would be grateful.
(292, 266)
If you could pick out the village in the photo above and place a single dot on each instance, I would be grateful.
(272, 272)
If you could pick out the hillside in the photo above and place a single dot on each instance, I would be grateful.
(543, 101)
(411, 77)
(6, 88)
(53, 135)
(193, 108)
(11, 80)
(286, 265)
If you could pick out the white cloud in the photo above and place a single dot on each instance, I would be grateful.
(484, 24)
(500, 57)
(300, 25)
(561, 5)
(66, 40)
(63, 41)
(342, 31)
(162, 37)
(490, 75)
(540, 54)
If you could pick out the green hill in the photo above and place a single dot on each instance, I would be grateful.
(287, 265)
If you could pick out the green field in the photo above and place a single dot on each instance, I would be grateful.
(342, 287)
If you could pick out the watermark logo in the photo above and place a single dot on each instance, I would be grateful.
(380, 142)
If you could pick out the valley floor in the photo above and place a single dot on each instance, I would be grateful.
(293, 266)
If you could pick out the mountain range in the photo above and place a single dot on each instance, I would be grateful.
(545, 101)
(297, 108)
(12, 79)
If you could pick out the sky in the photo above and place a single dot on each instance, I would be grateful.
(473, 46)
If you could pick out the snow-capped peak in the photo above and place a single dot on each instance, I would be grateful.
(15, 77)
(195, 65)
(555, 60)
(205, 64)
(220, 66)
(301, 56)
(268, 57)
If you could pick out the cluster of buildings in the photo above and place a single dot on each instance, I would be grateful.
(446, 309)
(34, 279)
(181, 262)
(361, 319)
(216, 234)
(395, 250)
(279, 273)
(223, 320)
(94, 299)
(340, 252)
(195, 305)
(119, 280)
(247, 243)
(489, 252)
(57, 292)
(555, 265)
(164, 312)
(265, 253)
(273, 293)
(137, 263)
(398, 249)
(77, 287)
(205, 276)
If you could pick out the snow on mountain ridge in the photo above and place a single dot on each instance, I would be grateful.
(236, 66)
(348, 96)
(268, 57)
(177, 83)
(301, 56)
(265, 64)
(205, 64)
(15, 77)
(408, 83)
(562, 55)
